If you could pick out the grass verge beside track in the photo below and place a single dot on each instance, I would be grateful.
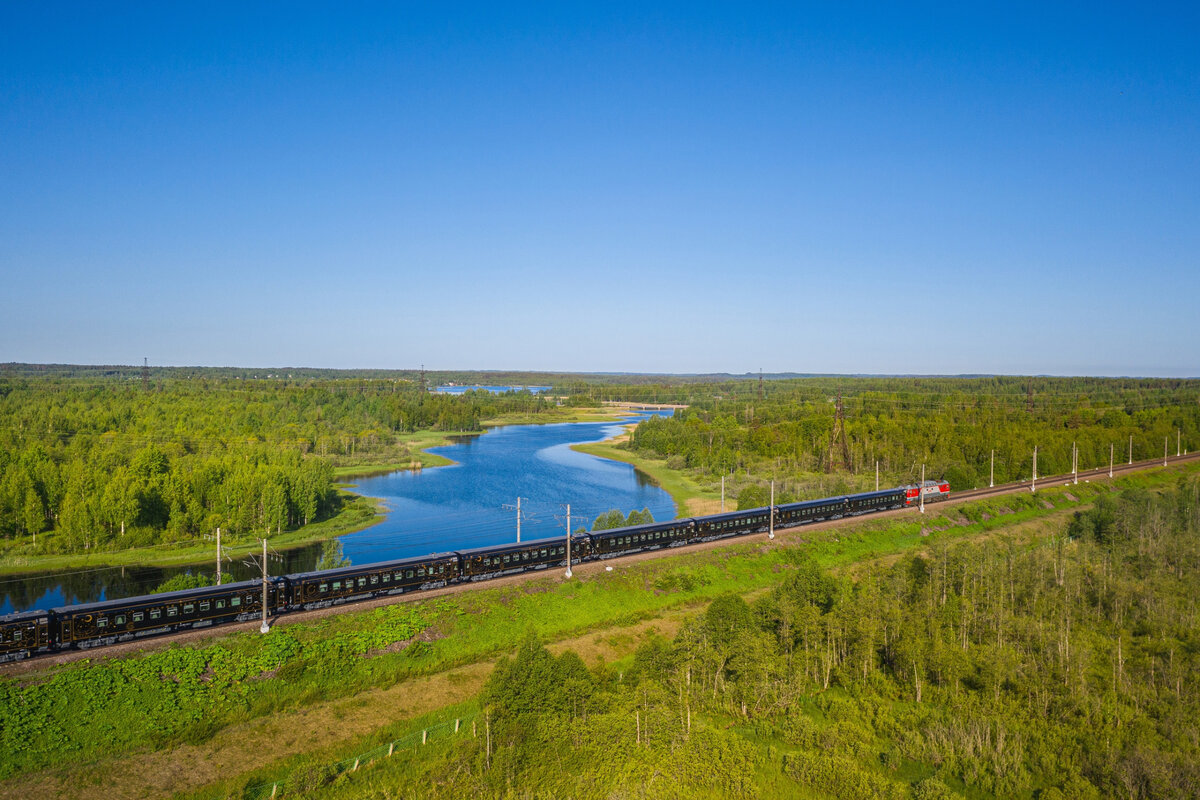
(196, 704)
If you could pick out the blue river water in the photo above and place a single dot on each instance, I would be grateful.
(469, 504)
(473, 502)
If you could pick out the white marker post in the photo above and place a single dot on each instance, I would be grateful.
(265, 627)
(771, 514)
(568, 540)
(1033, 483)
(921, 489)
(992, 479)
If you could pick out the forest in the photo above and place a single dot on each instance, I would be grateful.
(1063, 667)
(115, 464)
(791, 431)
(97, 458)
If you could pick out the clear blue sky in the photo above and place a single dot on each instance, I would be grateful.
(838, 188)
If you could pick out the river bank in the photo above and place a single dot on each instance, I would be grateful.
(357, 513)
(690, 497)
(421, 442)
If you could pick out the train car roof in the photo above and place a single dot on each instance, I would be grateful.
(165, 597)
(375, 566)
(514, 546)
(747, 512)
(22, 616)
(649, 526)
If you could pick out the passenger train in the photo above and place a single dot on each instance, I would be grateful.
(83, 625)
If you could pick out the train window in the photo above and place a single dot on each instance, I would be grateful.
(506, 559)
(398, 575)
(172, 611)
(421, 571)
(408, 573)
(234, 602)
(204, 605)
(387, 577)
(220, 604)
(16, 635)
(374, 579)
(544, 553)
(324, 587)
(155, 613)
(138, 616)
(102, 623)
(337, 586)
(441, 568)
(363, 581)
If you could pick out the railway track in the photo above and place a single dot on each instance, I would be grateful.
(583, 568)
(1083, 475)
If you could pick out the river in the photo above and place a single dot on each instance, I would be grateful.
(471, 503)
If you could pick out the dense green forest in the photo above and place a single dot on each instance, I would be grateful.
(790, 432)
(100, 458)
(1067, 667)
(113, 464)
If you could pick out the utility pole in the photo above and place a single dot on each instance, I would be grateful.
(1178, 442)
(992, 479)
(839, 432)
(145, 375)
(218, 556)
(771, 514)
(1165, 438)
(568, 540)
(1131, 448)
(265, 627)
(760, 385)
(1033, 483)
(1075, 462)
(921, 491)
(1110, 458)
(722, 494)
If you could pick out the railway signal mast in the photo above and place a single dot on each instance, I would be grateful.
(992, 477)
(1075, 462)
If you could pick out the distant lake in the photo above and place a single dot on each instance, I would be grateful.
(492, 389)
(469, 504)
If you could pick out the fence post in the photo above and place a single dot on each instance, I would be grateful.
(274, 789)
(423, 734)
(355, 767)
(391, 749)
(456, 725)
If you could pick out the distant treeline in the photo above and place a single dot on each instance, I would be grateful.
(87, 465)
(951, 425)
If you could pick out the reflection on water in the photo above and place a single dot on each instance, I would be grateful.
(86, 585)
(469, 504)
